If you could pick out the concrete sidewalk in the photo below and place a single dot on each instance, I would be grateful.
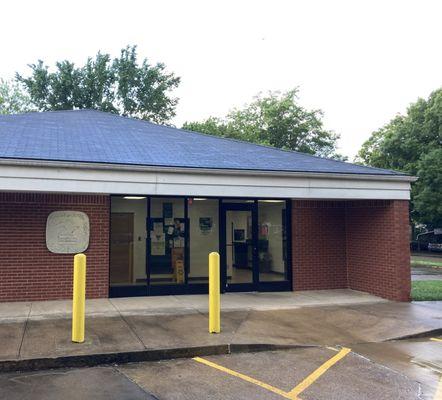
(423, 273)
(155, 328)
(183, 304)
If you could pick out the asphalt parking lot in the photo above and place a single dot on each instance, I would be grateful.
(409, 369)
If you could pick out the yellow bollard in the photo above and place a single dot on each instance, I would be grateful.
(79, 298)
(214, 294)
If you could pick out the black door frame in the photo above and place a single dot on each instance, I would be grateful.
(238, 287)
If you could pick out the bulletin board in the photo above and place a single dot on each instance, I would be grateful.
(162, 239)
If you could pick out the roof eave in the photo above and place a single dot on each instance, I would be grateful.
(214, 171)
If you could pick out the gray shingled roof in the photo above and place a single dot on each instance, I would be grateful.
(98, 137)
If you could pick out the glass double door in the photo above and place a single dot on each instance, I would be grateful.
(238, 246)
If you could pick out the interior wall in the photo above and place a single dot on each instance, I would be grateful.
(202, 242)
(156, 206)
(271, 215)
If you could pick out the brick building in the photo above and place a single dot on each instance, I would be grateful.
(147, 203)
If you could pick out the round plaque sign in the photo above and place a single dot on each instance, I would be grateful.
(67, 232)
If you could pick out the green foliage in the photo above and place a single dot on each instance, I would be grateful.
(412, 143)
(426, 290)
(13, 99)
(428, 193)
(211, 126)
(275, 120)
(122, 85)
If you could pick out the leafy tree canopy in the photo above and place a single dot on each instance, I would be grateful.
(428, 193)
(122, 85)
(13, 99)
(277, 120)
(412, 143)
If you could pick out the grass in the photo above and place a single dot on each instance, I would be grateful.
(426, 290)
(426, 263)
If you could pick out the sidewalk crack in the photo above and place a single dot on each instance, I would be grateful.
(128, 324)
(24, 331)
(117, 369)
(234, 332)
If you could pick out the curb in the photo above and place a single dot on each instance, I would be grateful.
(92, 360)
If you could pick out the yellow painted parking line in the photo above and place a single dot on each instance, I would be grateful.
(436, 339)
(245, 378)
(294, 393)
(318, 372)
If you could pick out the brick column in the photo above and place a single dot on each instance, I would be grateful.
(362, 245)
(378, 249)
(318, 245)
(28, 270)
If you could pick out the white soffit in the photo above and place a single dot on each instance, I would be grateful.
(62, 177)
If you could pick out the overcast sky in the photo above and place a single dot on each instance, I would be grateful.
(361, 62)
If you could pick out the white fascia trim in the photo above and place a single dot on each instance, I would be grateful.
(205, 171)
(31, 176)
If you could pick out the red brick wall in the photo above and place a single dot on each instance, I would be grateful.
(363, 245)
(378, 249)
(28, 270)
(318, 245)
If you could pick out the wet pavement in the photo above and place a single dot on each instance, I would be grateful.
(314, 365)
(420, 360)
(183, 304)
(104, 383)
(375, 366)
(423, 273)
(331, 325)
(409, 369)
(353, 377)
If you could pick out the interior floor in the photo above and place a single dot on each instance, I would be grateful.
(239, 275)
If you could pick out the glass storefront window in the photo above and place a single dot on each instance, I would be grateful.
(156, 242)
(167, 241)
(128, 241)
(203, 236)
(272, 240)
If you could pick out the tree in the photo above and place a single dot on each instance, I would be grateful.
(12, 98)
(428, 196)
(275, 120)
(122, 85)
(412, 143)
